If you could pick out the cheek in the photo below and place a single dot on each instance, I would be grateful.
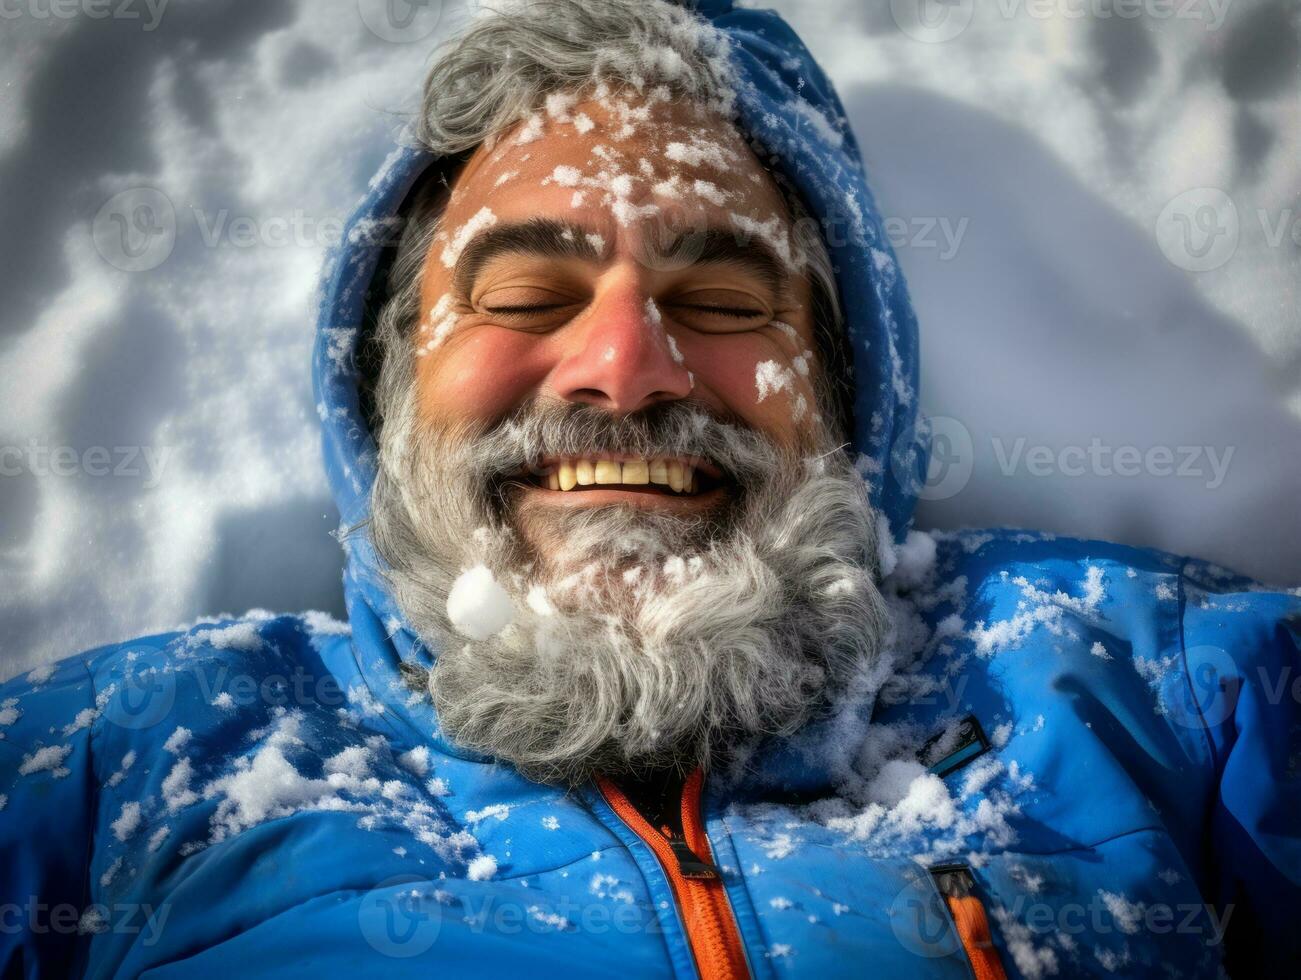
(480, 376)
(753, 377)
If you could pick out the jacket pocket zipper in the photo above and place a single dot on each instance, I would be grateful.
(957, 886)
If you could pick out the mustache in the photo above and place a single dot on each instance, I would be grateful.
(542, 429)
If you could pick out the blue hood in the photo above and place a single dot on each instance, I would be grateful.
(785, 101)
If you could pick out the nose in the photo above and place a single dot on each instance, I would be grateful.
(619, 356)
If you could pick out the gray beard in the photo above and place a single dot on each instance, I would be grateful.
(641, 640)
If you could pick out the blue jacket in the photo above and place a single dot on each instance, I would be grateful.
(1108, 741)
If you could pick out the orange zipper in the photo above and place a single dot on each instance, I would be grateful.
(697, 886)
(957, 887)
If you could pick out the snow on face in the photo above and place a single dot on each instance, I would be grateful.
(645, 172)
(483, 218)
(638, 146)
(438, 325)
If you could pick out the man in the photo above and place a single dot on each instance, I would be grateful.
(642, 674)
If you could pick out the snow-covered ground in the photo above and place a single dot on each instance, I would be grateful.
(1098, 215)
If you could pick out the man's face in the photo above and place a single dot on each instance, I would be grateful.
(612, 280)
(620, 257)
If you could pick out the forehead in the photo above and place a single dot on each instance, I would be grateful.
(624, 165)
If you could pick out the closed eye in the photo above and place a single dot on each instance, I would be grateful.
(523, 310)
(735, 311)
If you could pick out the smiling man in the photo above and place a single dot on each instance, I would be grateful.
(601, 387)
(644, 673)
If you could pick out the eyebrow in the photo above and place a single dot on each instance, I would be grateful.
(723, 246)
(553, 238)
(543, 237)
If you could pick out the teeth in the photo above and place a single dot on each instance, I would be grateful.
(678, 476)
(567, 478)
(675, 475)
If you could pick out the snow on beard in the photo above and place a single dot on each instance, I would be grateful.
(697, 650)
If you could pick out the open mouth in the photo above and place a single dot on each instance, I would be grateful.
(663, 476)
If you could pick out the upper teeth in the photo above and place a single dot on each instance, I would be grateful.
(676, 475)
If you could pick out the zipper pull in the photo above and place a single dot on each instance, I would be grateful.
(690, 866)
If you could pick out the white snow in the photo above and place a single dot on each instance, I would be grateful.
(482, 219)
(47, 759)
(1034, 960)
(565, 176)
(110, 873)
(1112, 960)
(497, 811)
(416, 761)
(782, 846)
(477, 606)
(770, 378)
(177, 740)
(354, 761)
(127, 822)
(1128, 915)
(237, 636)
(177, 793)
(481, 868)
(128, 760)
(1039, 609)
(270, 786)
(531, 130)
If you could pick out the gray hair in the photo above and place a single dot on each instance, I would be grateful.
(501, 71)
